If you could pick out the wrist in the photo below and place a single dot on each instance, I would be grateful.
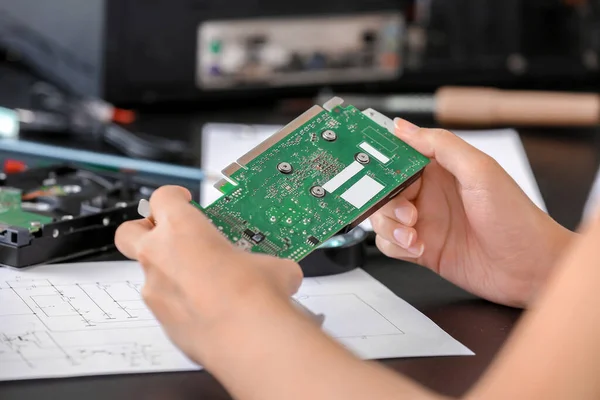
(558, 240)
(230, 331)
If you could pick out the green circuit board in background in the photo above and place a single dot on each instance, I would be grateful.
(323, 173)
(11, 214)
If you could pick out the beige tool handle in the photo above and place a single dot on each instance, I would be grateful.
(488, 107)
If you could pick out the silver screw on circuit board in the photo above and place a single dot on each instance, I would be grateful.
(329, 135)
(362, 158)
(317, 191)
(284, 167)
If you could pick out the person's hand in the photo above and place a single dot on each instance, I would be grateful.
(196, 279)
(467, 220)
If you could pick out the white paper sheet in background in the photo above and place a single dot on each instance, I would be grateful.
(593, 202)
(89, 319)
(225, 143)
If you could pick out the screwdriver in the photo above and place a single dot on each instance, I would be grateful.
(487, 107)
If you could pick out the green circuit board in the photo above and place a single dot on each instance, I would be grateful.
(12, 215)
(323, 173)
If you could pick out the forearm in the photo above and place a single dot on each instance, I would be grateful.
(273, 352)
(555, 352)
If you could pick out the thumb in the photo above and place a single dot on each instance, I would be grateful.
(169, 201)
(458, 157)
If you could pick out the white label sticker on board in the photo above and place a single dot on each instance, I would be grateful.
(347, 173)
(374, 152)
(362, 191)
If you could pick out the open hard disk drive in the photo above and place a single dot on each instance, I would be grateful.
(58, 213)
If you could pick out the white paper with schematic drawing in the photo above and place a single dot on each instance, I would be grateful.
(222, 143)
(89, 319)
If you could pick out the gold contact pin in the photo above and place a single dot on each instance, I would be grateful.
(285, 131)
(219, 185)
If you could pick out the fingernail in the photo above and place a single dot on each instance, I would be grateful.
(403, 237)
(403, 126)
(417, 249)
(405, 214)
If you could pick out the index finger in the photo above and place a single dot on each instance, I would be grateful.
(128, 236)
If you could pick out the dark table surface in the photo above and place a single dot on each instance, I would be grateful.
(564, 162)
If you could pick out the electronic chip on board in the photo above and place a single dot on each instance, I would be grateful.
(322, 174)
